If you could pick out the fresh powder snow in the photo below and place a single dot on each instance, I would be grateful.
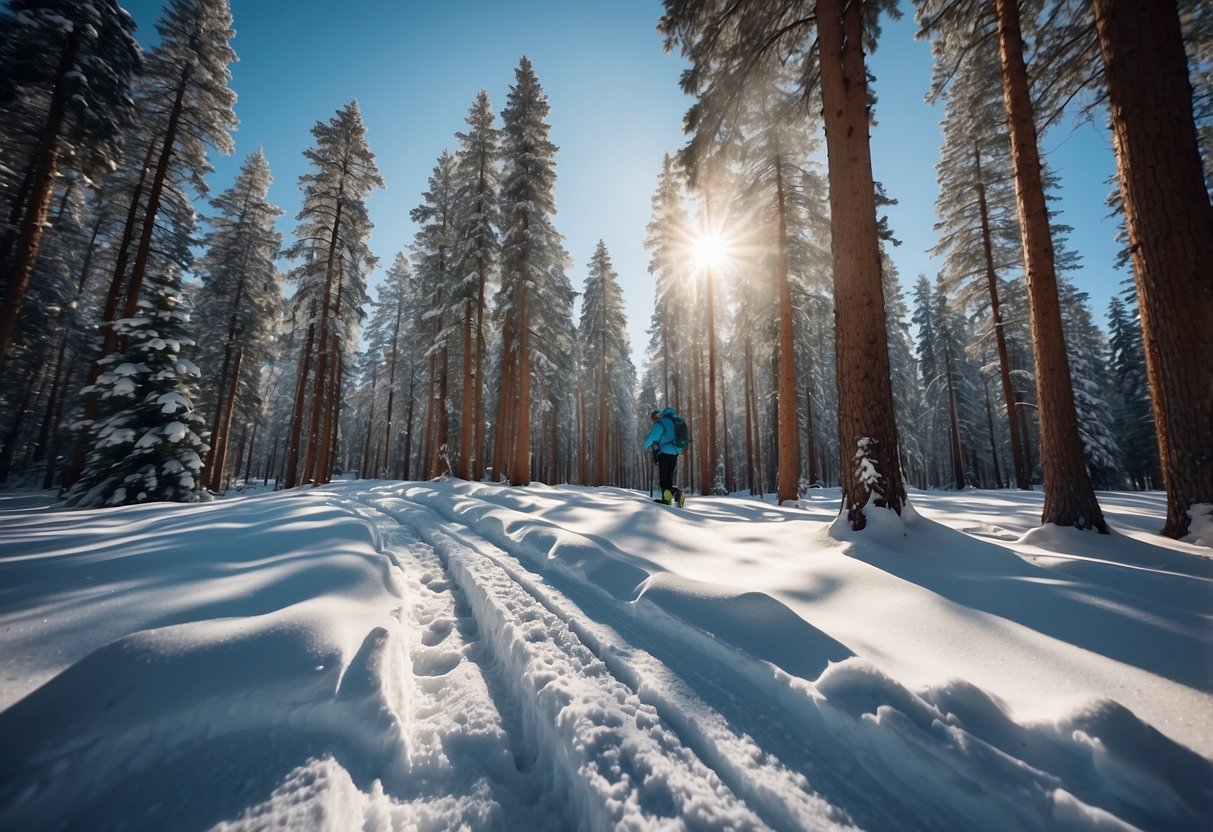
(380, 655)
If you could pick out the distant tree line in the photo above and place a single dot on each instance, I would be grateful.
(133, 370)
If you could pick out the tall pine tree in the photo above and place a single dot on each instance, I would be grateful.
(479, 252)
(333, 260)
(239, 302)
(535, 300)
(606, 369)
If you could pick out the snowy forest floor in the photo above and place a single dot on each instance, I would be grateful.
(382, 655)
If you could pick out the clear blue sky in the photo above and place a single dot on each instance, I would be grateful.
(415, 68)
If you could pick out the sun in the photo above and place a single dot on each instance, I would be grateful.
(711, 250)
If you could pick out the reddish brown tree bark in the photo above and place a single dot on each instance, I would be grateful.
(291, 457)
(29, 238)
(865, 391)
(219, 440)
(788, 485)
(1069, 499)
(468, 417)
(520, 468)
(1170, 224)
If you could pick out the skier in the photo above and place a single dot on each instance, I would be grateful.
(663, 441)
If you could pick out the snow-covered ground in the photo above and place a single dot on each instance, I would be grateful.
(382, 655)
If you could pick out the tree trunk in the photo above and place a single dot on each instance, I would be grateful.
(788, 487)
(391, 395)
(1022, 475)
(1170, 224)
(332, 259)
(17, 209)
(48, 426)
(222, 385)
(520, 473)
(219, 442)
(665, 362)
(406, 453)
(333, 435)
(478, 396)
(867, 431)
(697, 403)
(55, 413)
(554, 450)
(290, 478)
(750, 427)
(369, 469)
(505, 401)
(467, 418)
(958, 463)
(710, 451)
(583, 450)
(29, 240)
(328, 438)
(271, 460)
(1069, 499)
(993, 436)
(724, 427)
(600, 476)
(442, 424)
(10, 440)
(248, 465)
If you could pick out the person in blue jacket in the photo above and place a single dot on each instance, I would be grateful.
(661, 441)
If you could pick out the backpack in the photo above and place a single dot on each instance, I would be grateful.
(682, 434)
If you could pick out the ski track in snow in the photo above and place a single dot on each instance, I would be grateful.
(499, 563)
(587, 693)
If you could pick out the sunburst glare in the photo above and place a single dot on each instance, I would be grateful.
(711, 251)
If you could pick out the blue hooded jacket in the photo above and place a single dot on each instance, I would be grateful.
(663, 432)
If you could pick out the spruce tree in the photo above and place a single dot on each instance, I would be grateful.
(148, 444)
(479, 251)
(606, 368)
(444, 306)
(535, 300)
(239, 302)
(333, 259)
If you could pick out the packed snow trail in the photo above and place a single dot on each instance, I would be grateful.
(457, 655)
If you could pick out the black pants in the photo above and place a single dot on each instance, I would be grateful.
(666, 463)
